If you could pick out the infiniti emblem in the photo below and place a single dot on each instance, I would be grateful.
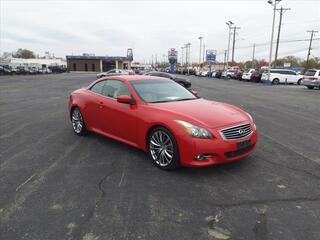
(240, 131)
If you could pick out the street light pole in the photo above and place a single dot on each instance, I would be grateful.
(230, 24)
(200, 38)
(274, 4)
(188, 55)
(182, 56)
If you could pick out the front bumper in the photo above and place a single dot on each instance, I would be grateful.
(217, 150)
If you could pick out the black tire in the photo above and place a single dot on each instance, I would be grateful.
(76, 119)
(158, 154)
(182, 84)
(310, 87)
(275, 81)
(299, 81)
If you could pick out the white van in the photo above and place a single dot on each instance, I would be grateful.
(282, 76)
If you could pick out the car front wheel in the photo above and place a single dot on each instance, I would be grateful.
(275, 81)
(77, 121)
(163, 149)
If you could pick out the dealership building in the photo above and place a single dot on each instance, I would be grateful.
(87, 63)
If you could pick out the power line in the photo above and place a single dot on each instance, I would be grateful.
(284, 41)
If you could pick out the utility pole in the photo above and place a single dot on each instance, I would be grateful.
(282, 11)
(274, 5)
(310, 44)
(234, 41)
(224, 60)
(152, 60)
(200, 38)
(253, 52)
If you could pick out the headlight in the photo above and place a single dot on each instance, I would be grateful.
(250, 117)
(195, 131)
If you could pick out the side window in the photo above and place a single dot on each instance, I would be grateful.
(319, 73)
(98, 87)
(115, 88)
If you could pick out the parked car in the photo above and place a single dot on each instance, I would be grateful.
(182, 81)
(238, 74)
(218, 74)
(247, 74)
(256, 75)
(204, 73)
(58, 69)
(311, 78)
(282, 76)
(113, 72)
(5, 70)
(22, 70)
(213, 74)
(229, 73)
(172, 125)
(189, 71)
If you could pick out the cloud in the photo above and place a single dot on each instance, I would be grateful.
(151, 27)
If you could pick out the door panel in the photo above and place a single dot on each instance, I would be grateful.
(117, 119)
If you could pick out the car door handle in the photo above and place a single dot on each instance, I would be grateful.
(100, 103)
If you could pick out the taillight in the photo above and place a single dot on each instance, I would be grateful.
(313, 78)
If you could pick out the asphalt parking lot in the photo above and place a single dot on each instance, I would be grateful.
(56, 185)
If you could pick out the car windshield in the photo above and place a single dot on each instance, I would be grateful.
(310, 73)
(156, 91)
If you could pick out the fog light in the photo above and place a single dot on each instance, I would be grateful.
(202, 156)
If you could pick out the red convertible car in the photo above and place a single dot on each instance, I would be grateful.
(173, 125)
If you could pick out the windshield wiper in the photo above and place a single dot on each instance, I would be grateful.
(185, 99)
(161, 101)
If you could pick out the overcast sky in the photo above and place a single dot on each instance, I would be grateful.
(152, 27)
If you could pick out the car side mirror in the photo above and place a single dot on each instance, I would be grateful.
(195, 93)
(124, 99)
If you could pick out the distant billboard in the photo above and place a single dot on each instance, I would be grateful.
(130, 54)
(211, 55)
(172, 54)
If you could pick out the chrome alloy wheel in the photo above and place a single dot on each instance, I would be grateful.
(161, 148)
(77, 121)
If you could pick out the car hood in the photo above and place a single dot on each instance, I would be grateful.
(210, 114)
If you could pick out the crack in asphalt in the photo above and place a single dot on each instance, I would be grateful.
(266, 201)
(293, 169)
(80, 231)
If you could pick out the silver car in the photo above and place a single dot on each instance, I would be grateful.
(113, 72)
(311, 78)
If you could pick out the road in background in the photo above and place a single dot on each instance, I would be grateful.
(56, 185)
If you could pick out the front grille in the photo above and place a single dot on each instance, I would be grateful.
(238, 152)
(236, 132)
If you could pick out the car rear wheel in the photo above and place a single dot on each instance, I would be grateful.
(299, 82)
(275, 81)
(310, 87)
(78, 124)
(163, 149)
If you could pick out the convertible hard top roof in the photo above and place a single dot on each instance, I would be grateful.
(132, 77)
